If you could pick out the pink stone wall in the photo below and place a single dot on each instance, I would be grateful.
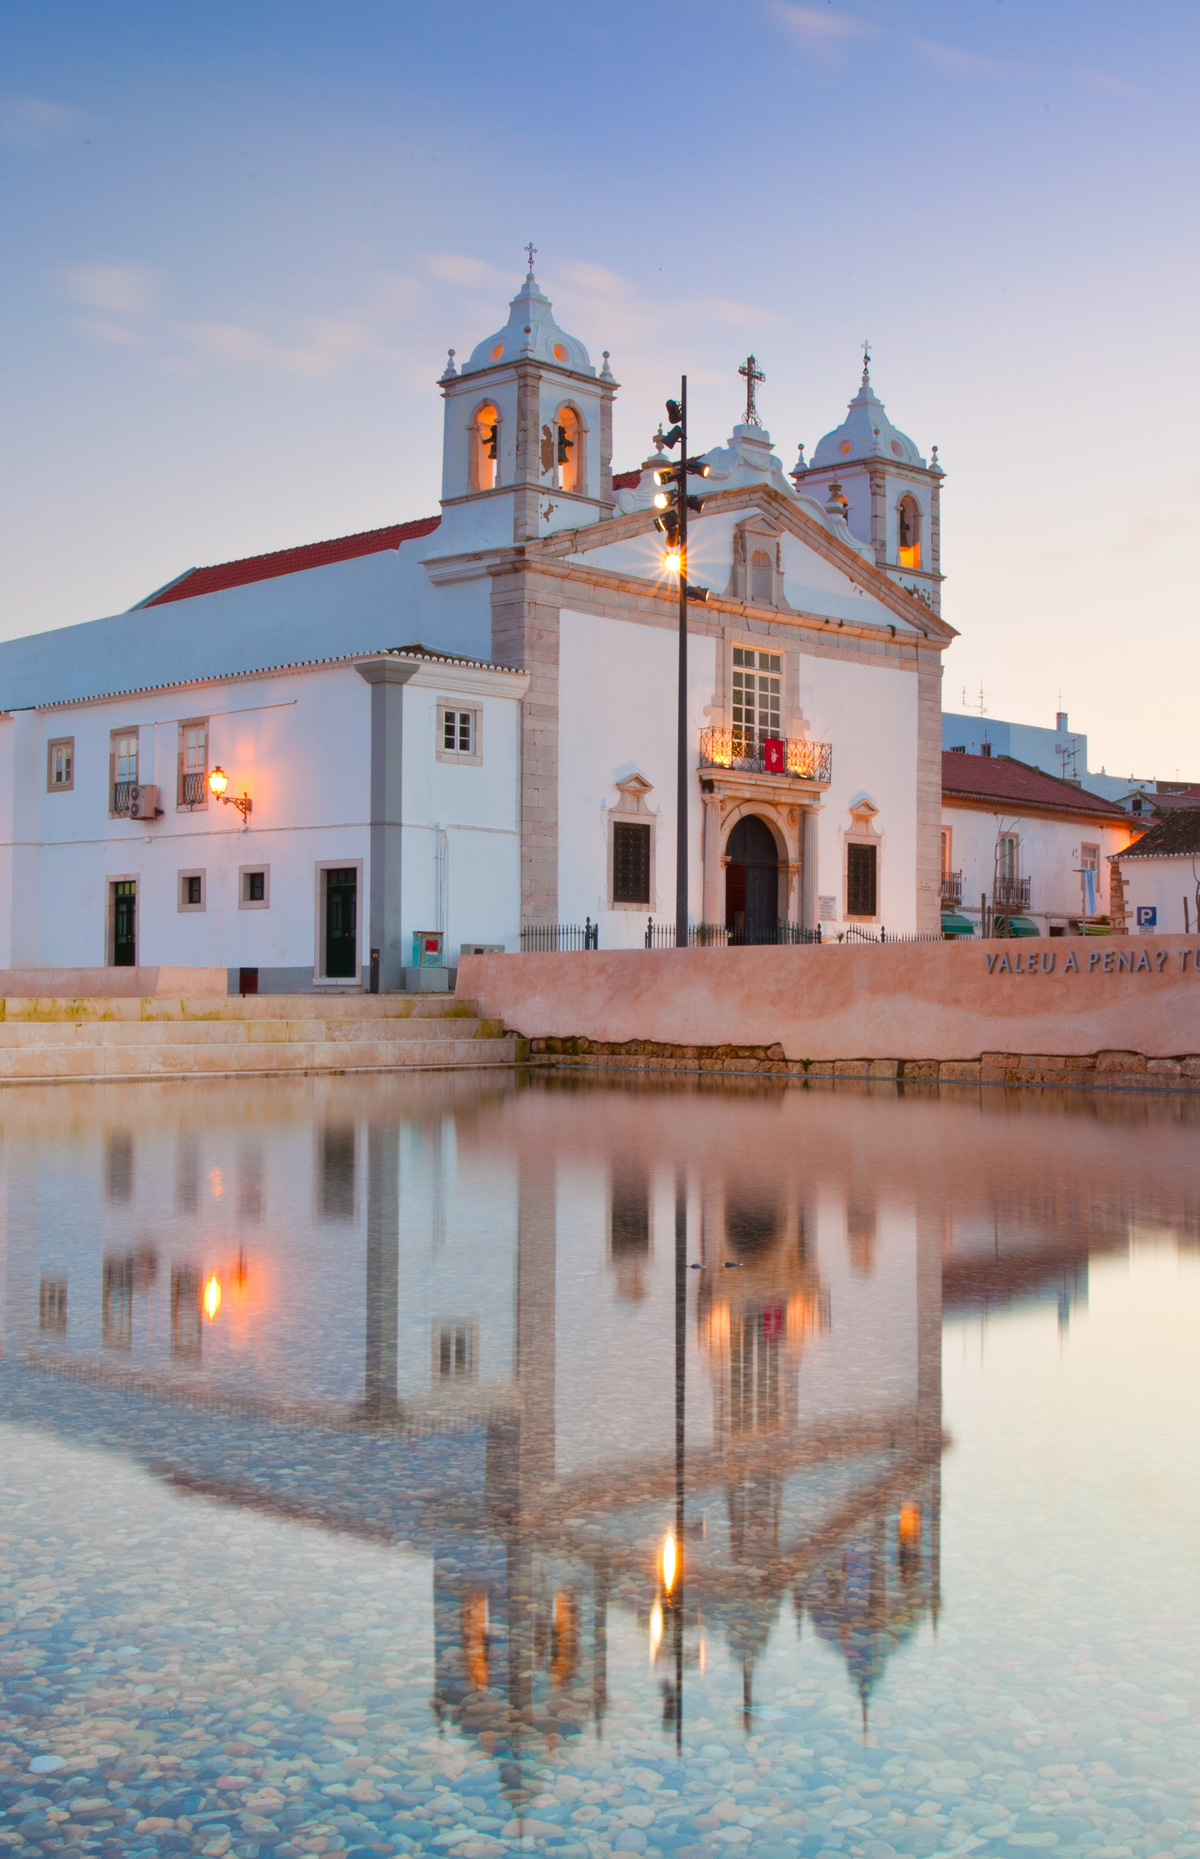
(921, 1000)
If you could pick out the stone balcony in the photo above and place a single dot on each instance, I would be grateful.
(787, 758)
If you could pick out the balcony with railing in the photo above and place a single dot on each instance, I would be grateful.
(952, 887)
(747, 754)
(1011, 893)
(193, 790)
(120, 796)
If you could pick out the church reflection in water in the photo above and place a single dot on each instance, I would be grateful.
(670, 1355)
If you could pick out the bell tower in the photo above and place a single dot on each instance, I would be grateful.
(527, 445)
(890, 496)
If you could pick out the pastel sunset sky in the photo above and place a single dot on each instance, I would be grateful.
(239, 239)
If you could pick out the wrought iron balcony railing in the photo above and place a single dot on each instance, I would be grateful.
(120, 796)
(952, 887)
(744, 753)
(1011, 893)
(193, 790)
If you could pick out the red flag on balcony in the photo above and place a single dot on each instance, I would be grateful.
(773, 755)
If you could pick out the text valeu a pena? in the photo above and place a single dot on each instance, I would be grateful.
(1107, 961)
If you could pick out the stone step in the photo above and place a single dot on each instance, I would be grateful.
(46, 1010)
(398, 1034)
(155, 1059)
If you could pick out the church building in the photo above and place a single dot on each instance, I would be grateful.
(292, 765)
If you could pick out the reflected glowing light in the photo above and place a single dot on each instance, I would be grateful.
(656, 1627)
(212, 1298)
(910, 1523)
(669, 1564)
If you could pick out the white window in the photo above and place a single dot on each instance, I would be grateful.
(193, 764)
(456, 1350)
(757, 698)
(192, 890)
(459, 732)
(1008, 858)
(60, 765)
(123, 768)
(1089, 858)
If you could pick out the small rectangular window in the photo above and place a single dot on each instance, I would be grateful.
(254, 887)
(458, 732)
(191, 890)
(946, 851)
(1089, 858)
(860, 881)
(193, 765)
(631, 863)
(60, 765)
(454, 1351)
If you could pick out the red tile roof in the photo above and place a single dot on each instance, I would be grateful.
(1176, 836)
(291, 561)
(627, 480)
(1000, 778)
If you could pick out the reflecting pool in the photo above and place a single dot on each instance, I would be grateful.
(474, 1465)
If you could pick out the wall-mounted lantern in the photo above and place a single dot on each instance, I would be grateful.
(218, 781)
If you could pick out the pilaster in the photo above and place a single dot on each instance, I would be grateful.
(877, 482)
(525, 634)
(929, 791)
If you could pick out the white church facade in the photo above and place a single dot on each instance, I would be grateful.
(292, 765)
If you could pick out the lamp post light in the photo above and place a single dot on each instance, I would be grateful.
(218, 781)
(673, 503)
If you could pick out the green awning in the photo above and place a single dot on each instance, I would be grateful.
(955, 925)
(1020, 926)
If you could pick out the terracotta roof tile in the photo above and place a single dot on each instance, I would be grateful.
(999, 777)
(1177, 835)
(291, 561)
(627, 480)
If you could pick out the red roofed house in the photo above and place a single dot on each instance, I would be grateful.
(1017, 844)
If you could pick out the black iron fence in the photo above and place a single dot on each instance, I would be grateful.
(1011, 893)
(854, 934)
(559, 938)
(952, 887)
(718, 936)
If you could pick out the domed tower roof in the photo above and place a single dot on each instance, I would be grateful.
(866, 432)
(531, 332)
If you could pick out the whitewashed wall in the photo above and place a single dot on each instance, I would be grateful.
(1049, 857)
(1165, 884)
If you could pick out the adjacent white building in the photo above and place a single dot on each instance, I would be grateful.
(1024, 847)
(466, 724)
(1157, 878)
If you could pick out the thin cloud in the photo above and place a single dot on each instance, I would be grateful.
(819, 30)
(328, 344)
(123, 290)
(31, 122)
(950, 59)
(1110, 86)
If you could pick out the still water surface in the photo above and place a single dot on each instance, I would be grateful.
(461, 1466)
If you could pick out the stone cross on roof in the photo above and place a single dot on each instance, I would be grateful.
(531, 251)
(751, 373)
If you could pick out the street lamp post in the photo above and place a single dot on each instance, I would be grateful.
(674, 503)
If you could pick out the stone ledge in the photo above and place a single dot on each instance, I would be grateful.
(1095, 1071)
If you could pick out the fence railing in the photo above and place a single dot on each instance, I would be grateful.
(1011, 893)
(952, 887)
(559, 938)
(120, 796)
(748, 753)
(852, 933)
(193, 790)
(719, 936)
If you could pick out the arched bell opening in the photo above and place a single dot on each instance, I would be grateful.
(751, 882)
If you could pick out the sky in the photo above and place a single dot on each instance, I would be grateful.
(240, 236)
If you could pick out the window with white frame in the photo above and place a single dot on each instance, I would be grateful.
(123, 768)
(193, 764)
(757, 698)
(459, 731)
(60, 765)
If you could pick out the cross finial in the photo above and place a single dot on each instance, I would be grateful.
(866, 349)
(751, 373)
(531, 254)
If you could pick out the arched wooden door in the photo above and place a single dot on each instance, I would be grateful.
(751, 882)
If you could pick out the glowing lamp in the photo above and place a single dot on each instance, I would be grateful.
(670, 1562)
(671, 561)
(218, 781)
(212, 1298)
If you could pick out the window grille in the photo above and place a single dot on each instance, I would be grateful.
(631, 863)
(860, 881)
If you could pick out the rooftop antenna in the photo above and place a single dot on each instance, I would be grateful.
(982, 711)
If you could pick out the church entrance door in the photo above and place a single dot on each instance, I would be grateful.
(751, 882)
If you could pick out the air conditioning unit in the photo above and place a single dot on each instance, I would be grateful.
(143, 801)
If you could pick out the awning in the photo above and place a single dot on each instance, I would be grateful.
(956, 925)
(1019, 926)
